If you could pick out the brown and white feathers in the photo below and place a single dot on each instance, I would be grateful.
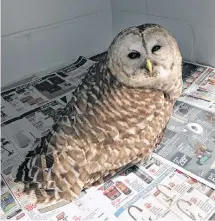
(117, 115)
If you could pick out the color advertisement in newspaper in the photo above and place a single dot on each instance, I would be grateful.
(199, 87)
(155, 191)
(150, 191)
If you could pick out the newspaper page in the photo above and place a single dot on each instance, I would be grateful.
(199, 86)
(152, 191)
(7, 111)
(22, 134)
(52, 86)
(63, 80)
(45, 116)
(155, 191)
(189, 142)
(24, 98)
(32, 77)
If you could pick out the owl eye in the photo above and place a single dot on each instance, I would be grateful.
(134, 55)
(156, 48)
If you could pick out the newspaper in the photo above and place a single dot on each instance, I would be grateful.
(29, 95)
(199, 86)
(45, 116)
(76, 71)
(150, 191)
(7, 111)
(155, 191)
(189, 142)
(24, 97)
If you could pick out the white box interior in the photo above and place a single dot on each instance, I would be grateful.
(41, 34)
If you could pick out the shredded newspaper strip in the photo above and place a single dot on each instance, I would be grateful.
(178, 183)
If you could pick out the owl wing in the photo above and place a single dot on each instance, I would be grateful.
(137, 126)
(103, 128)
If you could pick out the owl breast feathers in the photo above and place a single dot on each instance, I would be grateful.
(117, 116)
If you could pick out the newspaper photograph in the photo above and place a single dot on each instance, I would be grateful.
(52, 86)
(63, 80)
(45, 116)
(189, 142)
(24, 98)
(201, 93)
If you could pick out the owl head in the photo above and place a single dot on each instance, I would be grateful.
(145, 56)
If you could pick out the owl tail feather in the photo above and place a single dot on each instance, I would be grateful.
(50, 177)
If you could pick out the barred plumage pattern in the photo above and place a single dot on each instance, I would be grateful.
(105, 126)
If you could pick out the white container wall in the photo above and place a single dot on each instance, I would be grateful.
(41, 34)
(192, 22)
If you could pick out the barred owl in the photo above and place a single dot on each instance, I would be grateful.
(116, 116)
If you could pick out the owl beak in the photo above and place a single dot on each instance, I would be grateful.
(149, 65)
